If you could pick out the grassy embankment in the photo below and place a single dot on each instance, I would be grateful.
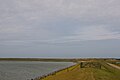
(105, 73)
(76, 73)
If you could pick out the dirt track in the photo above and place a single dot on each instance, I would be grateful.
(117, 67)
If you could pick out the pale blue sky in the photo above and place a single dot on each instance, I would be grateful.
(60, 28)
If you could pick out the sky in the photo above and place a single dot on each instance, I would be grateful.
(60, 28)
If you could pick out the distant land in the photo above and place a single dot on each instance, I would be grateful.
(56, 59)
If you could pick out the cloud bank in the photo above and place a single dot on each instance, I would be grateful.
(46, 22)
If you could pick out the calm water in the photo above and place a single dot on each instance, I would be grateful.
(17, 70)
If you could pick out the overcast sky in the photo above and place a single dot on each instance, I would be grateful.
(60, 28)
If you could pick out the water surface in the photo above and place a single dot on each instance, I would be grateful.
(24, 70)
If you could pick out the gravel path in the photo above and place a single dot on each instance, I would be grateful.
(113, 65)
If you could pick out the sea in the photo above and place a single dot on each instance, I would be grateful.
(27, 70)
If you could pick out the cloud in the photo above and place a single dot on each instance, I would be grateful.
(89, 33)
(62, 21)
(53, 27)
(97, 32)
(47, 9)
(81, 34)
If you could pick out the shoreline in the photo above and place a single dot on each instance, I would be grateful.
(55, 72)
(56, 59)
(39, 59)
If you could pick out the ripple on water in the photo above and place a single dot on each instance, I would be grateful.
(23, 70)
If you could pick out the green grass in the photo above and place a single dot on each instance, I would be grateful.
(76, 73)
(102, 74)
(106, 73)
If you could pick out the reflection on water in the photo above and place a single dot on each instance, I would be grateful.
(23, 70)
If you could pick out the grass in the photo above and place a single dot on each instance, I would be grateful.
(76, 73)
(118, 64)
(106, 72)
(102, 74)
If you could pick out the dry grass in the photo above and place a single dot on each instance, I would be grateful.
(77, 73)
(74, 74)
